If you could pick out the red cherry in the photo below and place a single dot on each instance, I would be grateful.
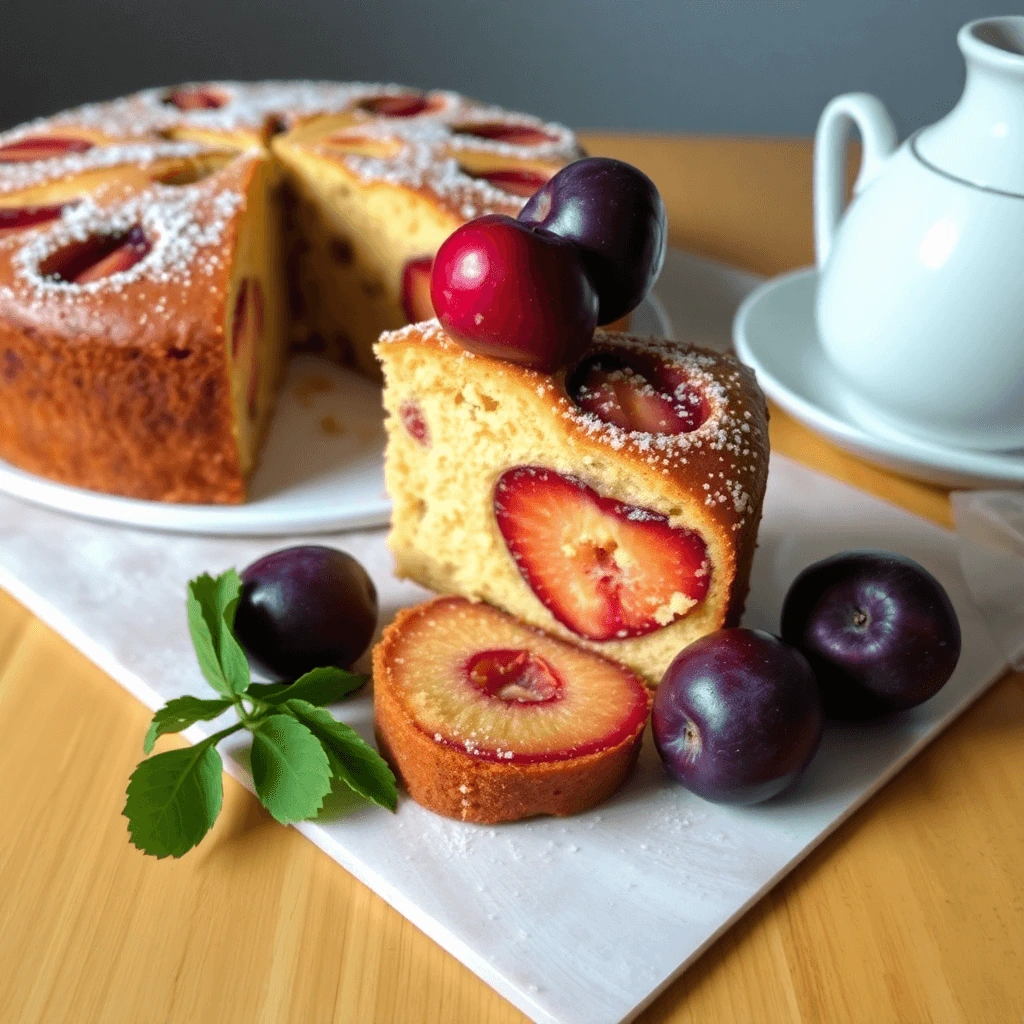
(502, 289)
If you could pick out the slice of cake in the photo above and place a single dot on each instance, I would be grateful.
(614, 503)
(488, 720)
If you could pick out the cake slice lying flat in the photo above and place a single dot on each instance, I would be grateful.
(614, 503)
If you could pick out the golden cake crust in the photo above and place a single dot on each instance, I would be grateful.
(456, 784)
(126, 388)
(712, 479)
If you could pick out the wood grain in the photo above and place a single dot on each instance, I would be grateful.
(913, 911)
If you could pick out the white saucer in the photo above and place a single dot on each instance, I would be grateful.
(775, 333)
(321, 470)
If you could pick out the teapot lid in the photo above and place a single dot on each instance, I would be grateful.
(981, 140)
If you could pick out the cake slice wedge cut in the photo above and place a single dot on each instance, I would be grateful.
(614, 503)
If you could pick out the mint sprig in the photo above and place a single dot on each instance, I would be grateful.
(299, 750)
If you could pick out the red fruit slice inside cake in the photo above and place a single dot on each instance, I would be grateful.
(515, 181)
(12, 217)
(488, 720)
(42, 147)
(604, 569)
(614, 502)
(98, 256)
(508, 132)
(637, 392)
(416, 302)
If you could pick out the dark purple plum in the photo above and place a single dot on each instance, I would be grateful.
(878, 629)
(303, 608)
(615, 215)
(737, 716)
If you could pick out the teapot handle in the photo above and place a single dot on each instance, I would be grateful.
(878, 135)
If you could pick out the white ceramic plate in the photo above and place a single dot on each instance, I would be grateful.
(775, 333)
(322, 469)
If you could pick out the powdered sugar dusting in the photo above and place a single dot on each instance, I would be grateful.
(247, 105)
(727, 442)
(431, 145)
(17, 176)
(181, 228)
(138, 130)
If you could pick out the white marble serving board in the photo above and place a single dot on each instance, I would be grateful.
(578, 921)
(321, 469)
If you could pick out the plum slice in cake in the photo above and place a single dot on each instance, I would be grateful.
(614, 503)
(488, 720)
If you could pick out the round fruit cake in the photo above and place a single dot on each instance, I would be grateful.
(487, 720)
(160, 253)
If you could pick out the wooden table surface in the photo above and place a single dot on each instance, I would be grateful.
(913, 911)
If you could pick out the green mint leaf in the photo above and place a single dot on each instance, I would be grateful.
(180, 713)
(353, 761)
(233, 662)
(321, 686)
(290, 769)
(174, 798)
(229, 589)
(265, 691)
(211, 616)
(198, 605)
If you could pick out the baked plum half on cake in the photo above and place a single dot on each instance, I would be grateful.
(614, 502)
(487, 720)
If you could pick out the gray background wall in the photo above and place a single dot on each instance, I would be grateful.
(712, 66)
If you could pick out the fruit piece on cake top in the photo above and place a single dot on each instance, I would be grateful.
(585, 249)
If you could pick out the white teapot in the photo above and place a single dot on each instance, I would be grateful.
(920, 303)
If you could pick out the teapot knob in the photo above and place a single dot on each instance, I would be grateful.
(878, 136)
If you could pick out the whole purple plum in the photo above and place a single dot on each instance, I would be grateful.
(737, 716)
(303, 608)
(878, 629)
(615, 216)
